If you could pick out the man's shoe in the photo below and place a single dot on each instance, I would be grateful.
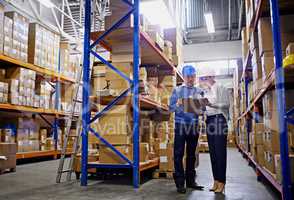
(195, 186)
(181, 190)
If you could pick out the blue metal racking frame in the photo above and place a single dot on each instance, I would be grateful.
(280, 92)
(284, 116)
(86, 92)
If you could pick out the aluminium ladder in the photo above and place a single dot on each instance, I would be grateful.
(67, 135)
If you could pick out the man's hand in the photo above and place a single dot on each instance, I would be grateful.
(180, 102)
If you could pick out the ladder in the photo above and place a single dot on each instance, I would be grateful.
(67, 135)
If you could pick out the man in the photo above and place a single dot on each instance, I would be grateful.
(216, 127)
(185, 131)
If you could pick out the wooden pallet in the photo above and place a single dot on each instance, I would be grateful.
(160, 174)
(2, 171)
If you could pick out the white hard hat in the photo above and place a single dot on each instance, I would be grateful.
(205, 71)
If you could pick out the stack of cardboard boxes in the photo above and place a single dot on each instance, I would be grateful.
(68, 63)
(256, 64)
(116, 127)
(257, 143)
(157, 35)
(174, 35)
(28, 135)
(46, 143)
(166, 146)
(98, 81)
(16, 40)
(153, 83)
(266, 44)
(3, 92)
(7, 37)
(43, 47)
(8, 154)
(22, 86)
(271, 134)
(7, 134)
(168, 49)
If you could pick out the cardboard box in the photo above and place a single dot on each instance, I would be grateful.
(257, 71)
(129, 23)
(269, 160)
(265, 33)
(267, 62)
(122, 58)
(43, 47)
(99, 70)
(144, 152)
(245, 45)
(168, 81)
(10, 163)
(157, 38)
(77, 163)
(116, 122)
(106, 155)
(279, 170)
(20, 28)
(7, 149)
(99, 83)
(290, 49)
(175, 37)
(166, 157)
(271, 141)
(270, 108)
(260, 155)
(7, 48)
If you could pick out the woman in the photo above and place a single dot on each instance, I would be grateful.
(217, 113)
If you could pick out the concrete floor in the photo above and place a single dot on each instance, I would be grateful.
(37, 181)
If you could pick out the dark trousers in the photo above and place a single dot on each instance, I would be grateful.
(185, 134)
(216, 127)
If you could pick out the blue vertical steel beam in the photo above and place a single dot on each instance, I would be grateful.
(136, 46)
(86, 93)
(280, 93)
(56, 106)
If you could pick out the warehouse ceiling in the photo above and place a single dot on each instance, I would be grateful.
(226, 17)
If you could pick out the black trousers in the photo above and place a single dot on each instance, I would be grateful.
(185, 134)
(217, 128)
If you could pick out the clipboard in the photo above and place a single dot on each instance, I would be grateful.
(194, 105)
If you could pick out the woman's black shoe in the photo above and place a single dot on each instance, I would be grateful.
(195, 186)
(181, 190)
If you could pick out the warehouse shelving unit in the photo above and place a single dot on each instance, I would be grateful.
(276, 79)
(48, 75)
(144, 50)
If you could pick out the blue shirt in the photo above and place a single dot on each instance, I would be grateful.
(182, 92)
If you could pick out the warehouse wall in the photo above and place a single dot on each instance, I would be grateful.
(212, 51)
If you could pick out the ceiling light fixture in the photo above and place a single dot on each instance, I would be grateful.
(209, 22)
(47, 3)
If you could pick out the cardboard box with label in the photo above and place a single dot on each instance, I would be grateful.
(166, 157)
(279, 170)
(9, 151)
(269, 161)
